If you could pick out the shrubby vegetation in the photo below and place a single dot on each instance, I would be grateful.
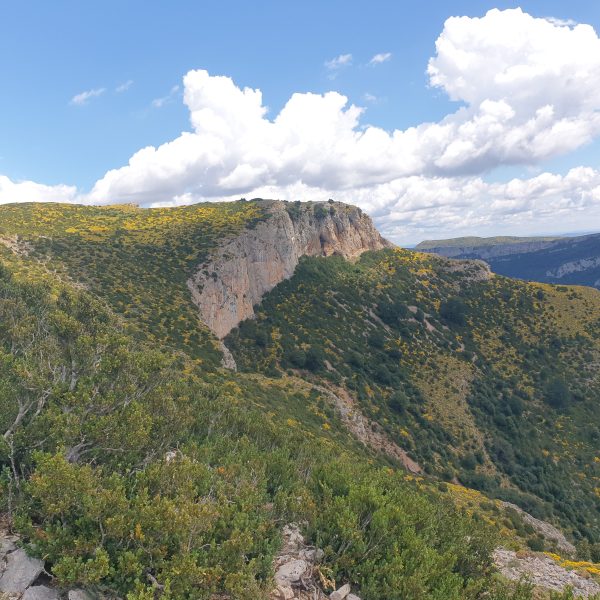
(137, 260)
(489, 381)
(133, 471)
(133, 465)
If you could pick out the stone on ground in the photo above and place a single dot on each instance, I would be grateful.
(20, 572)
(40, 592)
(341, 593)
(80, 595)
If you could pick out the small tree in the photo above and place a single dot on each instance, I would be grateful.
(453, 311)
(556, 393)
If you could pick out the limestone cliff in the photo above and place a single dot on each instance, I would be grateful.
(242, 269)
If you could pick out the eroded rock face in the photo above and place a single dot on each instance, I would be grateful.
(243, 269)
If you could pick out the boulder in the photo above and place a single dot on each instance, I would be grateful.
(352, 597)
(341, 593)
(40, 592)
(312, 555)
(20, 572)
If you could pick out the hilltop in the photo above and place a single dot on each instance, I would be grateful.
(388, 402)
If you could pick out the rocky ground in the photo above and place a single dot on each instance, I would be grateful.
(546, 530)
(544, 572)
(297, 573)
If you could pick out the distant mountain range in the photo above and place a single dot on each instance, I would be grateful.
(560, 260)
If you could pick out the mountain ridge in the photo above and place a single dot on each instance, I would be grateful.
(571, 260)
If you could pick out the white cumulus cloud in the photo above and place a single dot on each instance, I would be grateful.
(84, 97)
(343, 60)
(29, 191)
(528, 88)
(380, 58)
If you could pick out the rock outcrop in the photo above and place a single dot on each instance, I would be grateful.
(297, 573)
(543, 572)
(233, 280)
(40, 592)
(23, 577)
(546, 530)
(366, 431)
(295, 568)
(19, 571)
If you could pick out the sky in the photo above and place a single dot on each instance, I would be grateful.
(438, 119)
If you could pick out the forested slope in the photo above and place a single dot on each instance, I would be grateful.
(483, 379)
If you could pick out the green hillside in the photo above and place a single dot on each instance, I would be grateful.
(137, 260)
(493, 382)
(87, 418)
(139, 469)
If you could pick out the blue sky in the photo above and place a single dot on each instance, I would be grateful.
(134, 54)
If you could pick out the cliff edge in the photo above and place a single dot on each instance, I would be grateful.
(233, 280)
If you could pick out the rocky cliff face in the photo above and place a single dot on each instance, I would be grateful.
(236, 276)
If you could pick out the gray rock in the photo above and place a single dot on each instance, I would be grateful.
(291, 571)
(81, 595)
(340, 593)
(312, 555)
(546, 530)
(544, 572)
(352, 597)
(20, 572)
(40, 592)
(293, 539)
(283, 592)
(6, 545)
